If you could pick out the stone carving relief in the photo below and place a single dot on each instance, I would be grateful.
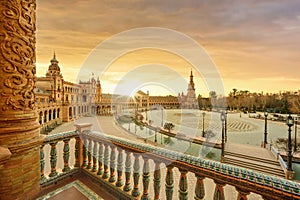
(17, 54)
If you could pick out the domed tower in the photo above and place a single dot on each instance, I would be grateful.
(57, 79)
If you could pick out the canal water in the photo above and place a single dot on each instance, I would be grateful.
(240, 129)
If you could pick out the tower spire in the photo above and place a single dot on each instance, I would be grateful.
(54, 58)
(191, 79)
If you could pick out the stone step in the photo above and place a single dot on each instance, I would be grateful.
(273, 170)
(259, 159)
(255, 163)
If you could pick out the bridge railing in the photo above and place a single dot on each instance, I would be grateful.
(116, 163)
(279, 158)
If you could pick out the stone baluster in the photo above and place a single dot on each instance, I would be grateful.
(136, 176)
(84, 152)
(127, 186)
(120, 182)
(106, 161)
(42, 162)
(66, 155)
(199, 189)
(157, 181)
(90, 153)
(183, 186)
(169, 183)
(219, 191)
(95, 155)
(242, 194)
(112, 177)
(53, 159)
(100, 159)
(146, 179)
(77, 152)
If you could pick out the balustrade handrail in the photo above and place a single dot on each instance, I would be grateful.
(279, 157)
(60, 136)
(245, 179)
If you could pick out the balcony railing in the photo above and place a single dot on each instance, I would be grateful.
(115, 163)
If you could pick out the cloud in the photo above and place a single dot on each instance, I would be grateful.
(245, 38)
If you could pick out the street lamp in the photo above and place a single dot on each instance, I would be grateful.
(290, 123)
(155, 137)
(266, 133)
(296, 123)
(203, 115)
(225, 125)
(162, 116)
(223, 134)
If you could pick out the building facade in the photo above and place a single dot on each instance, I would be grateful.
(189, 100)
(58, 100)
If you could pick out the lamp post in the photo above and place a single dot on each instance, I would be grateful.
(155, 136)
(203, 115)
(266, 133)
(162, 117)
(295, 144)
(290, 123)
(225, 125)
(223, 135)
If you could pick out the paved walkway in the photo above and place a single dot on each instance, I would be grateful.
(108, 126)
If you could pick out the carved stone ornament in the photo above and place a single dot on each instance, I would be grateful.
(17, 54)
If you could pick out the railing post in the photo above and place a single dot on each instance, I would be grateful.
(242, 194)
(90, 153)
(95, 152)
(112, 177)
(136, 176)
(120, 182)
(169, 183)
(157, 180)
(81, 147)
(146, 179)
(127, 186)
(100, 158)
(219, 191)
(106, 161)
(183, 192)
(42, 162)
(84, 153)
(53, 159)
(66, 155)
(199, 189)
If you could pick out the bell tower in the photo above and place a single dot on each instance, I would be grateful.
(57, 79)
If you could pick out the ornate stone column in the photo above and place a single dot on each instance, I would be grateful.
(19, 127)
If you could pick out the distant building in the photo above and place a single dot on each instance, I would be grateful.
(189, 100)
(60, 101)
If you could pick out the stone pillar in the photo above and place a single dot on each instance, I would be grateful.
(19, 126)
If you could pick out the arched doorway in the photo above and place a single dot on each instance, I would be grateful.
(70, 112)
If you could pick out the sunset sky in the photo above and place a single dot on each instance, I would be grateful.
(255, 44)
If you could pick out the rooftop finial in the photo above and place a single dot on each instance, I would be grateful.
(54, 58)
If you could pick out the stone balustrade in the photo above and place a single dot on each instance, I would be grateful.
(66, 170)
(121, 165)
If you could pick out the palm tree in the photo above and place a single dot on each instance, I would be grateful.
(169, 126)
